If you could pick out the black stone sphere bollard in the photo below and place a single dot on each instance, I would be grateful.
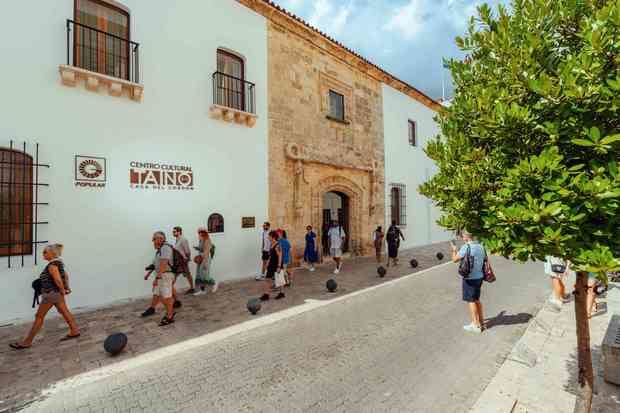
(331, 285)
(115, 343)
(381, 271)
(413, 263)
(254, 306)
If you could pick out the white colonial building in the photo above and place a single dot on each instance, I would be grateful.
(120, 118)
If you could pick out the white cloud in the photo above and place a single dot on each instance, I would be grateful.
(408, 19)
(330, 18)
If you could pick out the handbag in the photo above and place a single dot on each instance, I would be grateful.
(279, 279)
(198, 259)
(466, 264)
(487, 270)
(558, 268)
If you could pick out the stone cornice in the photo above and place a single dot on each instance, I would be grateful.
(294, 24)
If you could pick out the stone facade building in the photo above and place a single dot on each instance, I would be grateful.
(317, 152)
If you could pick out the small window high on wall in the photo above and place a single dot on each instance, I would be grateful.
(336, 105)
(413, 133)
(398, 204)
(215, 224)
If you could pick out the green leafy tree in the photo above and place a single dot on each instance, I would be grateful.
(529, 150)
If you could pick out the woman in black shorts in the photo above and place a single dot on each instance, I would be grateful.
(273, 265)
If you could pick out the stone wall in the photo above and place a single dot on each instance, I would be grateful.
(310, 154)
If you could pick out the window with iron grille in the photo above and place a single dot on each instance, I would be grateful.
(102, 39)
(413, 132)
(215, 224)
(398, 204)
(19, 202)
(230, 81)
(336, 105)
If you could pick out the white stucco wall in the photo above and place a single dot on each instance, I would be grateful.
(107, 232)
(409, 165)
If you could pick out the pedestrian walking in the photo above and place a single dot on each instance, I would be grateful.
(311, 255)
(591, 305)
(182, 245)
(325, 239)
(285, 247)
(203, 262)
(377, 239)
(163, 283)
(474, 253)
(54, 282)
(336, 237)
(393, 237)
(558, 270)
(264, 251)
(274, 264)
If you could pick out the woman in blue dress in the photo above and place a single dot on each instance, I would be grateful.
(311, 253)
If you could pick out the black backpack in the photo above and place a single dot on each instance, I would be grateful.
(392, 235)
(176, 266)
(467, 263)
(36, 286)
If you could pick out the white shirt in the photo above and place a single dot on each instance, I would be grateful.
(266, 243)
(336, 236)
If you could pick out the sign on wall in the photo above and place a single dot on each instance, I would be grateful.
(164, 177)
(248, 222)
(90, 171)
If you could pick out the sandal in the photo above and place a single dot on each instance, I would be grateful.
(70, 337)
(18, 346)
(165, 321)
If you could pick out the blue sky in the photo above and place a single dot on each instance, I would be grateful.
(408, 38)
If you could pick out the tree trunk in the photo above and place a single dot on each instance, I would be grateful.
(584, 356)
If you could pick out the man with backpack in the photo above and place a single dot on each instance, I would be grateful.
(164, 268)
(393, 237)
(471, 259)
(182, 245)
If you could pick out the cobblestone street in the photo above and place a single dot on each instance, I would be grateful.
(397, 348)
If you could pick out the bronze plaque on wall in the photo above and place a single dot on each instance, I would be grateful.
(248, 222)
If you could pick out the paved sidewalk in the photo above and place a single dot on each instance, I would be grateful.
(24, 374)
(540, 374)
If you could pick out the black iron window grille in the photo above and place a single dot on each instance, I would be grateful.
(215, 224)
(233, 92)
(19, 202)
(398, 204)
(98, 51)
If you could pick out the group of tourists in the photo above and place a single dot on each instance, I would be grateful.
(171, 261)
(393, 237)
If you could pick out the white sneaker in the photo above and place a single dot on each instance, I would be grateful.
(472, 328)
(311, 269)
(555, 302)
(260, 277)
(336, 271)
(214, 289)
(200, 292)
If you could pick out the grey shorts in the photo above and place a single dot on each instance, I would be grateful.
(53, 297)
(336, 252)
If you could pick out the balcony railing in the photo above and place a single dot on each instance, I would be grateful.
(97, 51)
(234, 93)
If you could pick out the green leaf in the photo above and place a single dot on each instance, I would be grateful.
(582, 142)
(610, 139)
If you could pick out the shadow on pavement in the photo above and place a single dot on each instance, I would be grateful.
(503, 319)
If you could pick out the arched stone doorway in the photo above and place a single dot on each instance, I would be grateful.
(349, 192)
